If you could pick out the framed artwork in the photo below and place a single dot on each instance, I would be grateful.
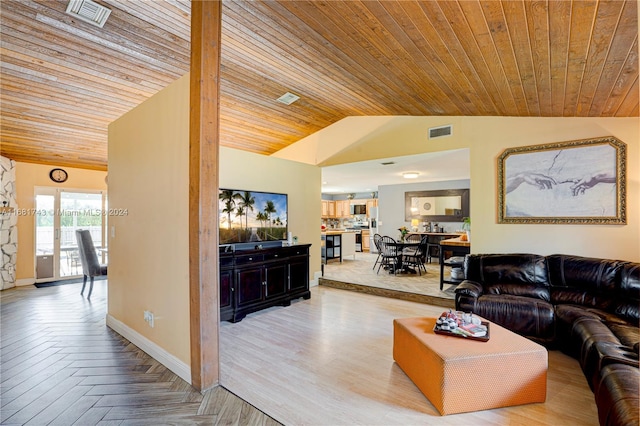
(575, 182)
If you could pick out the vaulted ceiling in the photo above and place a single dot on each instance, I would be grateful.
(63, 80)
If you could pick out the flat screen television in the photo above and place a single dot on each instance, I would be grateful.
(251, 216)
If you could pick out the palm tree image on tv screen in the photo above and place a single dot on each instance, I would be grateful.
(251, 216)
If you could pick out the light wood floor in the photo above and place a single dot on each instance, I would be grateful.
(328, 361)
(61, 365)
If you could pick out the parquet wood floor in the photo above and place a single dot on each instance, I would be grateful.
(61, 365)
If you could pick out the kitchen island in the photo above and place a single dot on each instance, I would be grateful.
(338, 244)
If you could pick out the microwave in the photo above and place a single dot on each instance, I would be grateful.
(358, 209)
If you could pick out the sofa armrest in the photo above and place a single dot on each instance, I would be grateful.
(469, 288)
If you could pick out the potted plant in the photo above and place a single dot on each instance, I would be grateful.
(403, 232)
(466, 226)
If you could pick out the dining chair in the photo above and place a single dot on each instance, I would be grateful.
(391, 256)
(413, 238)
(416, 257)
(376, 242)
(91, 267)
(433, 247)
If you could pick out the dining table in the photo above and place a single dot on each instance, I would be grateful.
(401, 245)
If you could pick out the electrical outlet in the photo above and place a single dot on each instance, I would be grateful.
(148, 317)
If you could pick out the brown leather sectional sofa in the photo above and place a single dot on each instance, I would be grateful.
(587, 307)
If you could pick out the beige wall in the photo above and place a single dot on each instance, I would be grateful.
(28, 177)
(148, 248)
(254, 172)
(148, 176)
(605, 241)
(487, 137)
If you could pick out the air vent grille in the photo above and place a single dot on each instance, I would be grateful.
(89, 11)
(438, 132)
(288, 98)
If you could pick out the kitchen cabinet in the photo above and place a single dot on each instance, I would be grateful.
(328, 209)
(252, 280)
(365, 240)
(332, 246)
(349, 244)
(343, 208)
(332, 208)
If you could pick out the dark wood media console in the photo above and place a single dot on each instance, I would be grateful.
(251, 280)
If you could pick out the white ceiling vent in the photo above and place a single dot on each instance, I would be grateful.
(89, 11)
(288, 98)
(438, 132)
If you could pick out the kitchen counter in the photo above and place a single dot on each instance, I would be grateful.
(338, 244)
(339, 231)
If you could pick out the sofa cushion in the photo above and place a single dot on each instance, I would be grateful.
(617, 395)
(514, 274)
(628, 302)
(528, 290)
(586, 281)
(584, 273)
(585, 334)
(629, 335)
(604, 353)
(523, 315)
(565, 318)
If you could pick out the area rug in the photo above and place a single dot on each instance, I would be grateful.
(63, 282)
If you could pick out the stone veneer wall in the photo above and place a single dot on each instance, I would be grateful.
(8, 224)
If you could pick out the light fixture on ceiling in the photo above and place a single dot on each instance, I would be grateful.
(288, 98)
(88, 11)
(410, 175)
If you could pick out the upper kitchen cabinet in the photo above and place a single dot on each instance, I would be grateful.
(343, 208)
(328, 208)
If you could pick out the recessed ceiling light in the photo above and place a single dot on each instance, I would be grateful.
(288, 98)
(410, 175)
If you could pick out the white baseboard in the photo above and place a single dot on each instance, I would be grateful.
(25, 281)
(181, 369)
(314, 282)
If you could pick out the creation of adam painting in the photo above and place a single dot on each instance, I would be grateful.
(575, 182)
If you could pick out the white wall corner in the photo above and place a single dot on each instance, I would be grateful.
(178, 367)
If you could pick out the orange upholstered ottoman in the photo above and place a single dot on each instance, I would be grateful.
(459, 375)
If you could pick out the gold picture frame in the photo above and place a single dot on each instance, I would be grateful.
(574, 182)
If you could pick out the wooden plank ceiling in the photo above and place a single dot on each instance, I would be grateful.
(64, 81)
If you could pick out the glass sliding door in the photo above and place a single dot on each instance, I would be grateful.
(62, 213)
(45, 235)
(78, 210)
